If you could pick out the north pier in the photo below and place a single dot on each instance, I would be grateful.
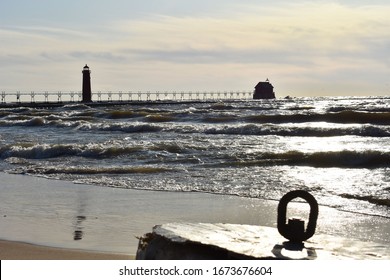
(263, 90)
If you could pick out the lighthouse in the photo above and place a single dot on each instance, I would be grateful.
(87, 93)
(264, 90)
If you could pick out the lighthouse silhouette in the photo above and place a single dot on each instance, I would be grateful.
(87, 93)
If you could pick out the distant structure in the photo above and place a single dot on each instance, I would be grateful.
(87, 93)
(264, 90)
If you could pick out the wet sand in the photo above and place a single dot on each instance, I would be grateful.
(97, 222)
(10, 250)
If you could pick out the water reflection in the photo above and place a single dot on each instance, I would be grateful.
(78, 233)
(82, 198)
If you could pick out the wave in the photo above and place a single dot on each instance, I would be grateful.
(343, 159)
(20, 121)
(382, 118)
(156, 118)
(221, 106)
(117, 114)
(342, 117)
(158, 123)
(82, 170)
(14, 153)
(223, 118)
(49, 120)
(120, 127)
(340, 159)
(45, 151)
(369, 198)
(76, 106)
(255, 129)
(129, 113)
(231, 128)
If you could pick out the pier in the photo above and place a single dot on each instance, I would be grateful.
(87, 96)
(59, 98)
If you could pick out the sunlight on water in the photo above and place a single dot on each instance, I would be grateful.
(337, 143)
(347, 189)
(337, 148)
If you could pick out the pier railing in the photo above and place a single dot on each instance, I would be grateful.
(121, 96)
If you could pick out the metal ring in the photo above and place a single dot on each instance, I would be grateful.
(282, 210)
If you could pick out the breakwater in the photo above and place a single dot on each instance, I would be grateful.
(59, 98)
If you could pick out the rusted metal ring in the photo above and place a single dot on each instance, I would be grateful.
(284, 229)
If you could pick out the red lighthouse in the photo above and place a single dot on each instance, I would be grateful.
(87, 93)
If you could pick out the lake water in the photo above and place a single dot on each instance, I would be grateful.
(338, 149)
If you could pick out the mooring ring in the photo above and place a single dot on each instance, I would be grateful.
(283, 228)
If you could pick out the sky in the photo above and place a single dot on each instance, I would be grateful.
(305, 48)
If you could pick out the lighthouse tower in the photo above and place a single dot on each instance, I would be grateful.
(87, 93)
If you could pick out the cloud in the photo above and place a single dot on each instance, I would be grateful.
(296, 31)
(300, 44)
(100, 56)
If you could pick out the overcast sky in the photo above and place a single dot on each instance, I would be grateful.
(305, 48)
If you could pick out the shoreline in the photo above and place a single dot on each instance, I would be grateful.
(75, 221)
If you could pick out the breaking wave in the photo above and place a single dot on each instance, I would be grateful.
(104, 150)
(369, 198)
(344, 159)
(82, 170)
(382, 118)
(119, 127)
(35, 121)
(256, 129)
(45, 151)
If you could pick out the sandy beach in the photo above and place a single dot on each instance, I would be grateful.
(50, 219)
(10, 250)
